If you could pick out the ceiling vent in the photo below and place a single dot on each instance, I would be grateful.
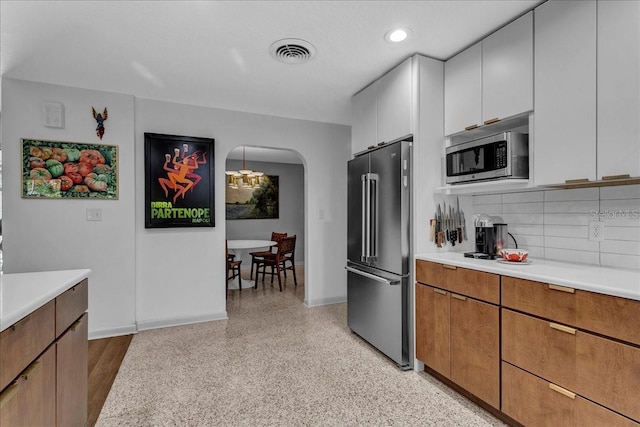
(292, 51)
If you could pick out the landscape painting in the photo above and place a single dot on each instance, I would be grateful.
(259, 201)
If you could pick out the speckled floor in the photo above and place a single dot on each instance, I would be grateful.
(275, 362)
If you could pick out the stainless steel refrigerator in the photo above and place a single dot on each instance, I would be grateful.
(379, 242)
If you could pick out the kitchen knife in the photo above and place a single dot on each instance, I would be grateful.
(446, 223)
(432, 230)
(458, 220)
(453, 234)
(464, 225)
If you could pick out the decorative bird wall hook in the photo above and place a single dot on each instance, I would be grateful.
(100, 118)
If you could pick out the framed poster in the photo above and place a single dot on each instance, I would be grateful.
(56, 169)
(257, 201)
(179, 181)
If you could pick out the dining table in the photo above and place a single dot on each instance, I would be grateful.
(238, 247)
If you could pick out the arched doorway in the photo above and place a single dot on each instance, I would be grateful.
(284, 171)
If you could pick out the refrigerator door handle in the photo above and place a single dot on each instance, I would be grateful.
(373, 276)
(369, 217)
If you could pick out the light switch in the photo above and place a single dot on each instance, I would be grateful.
(94, 214)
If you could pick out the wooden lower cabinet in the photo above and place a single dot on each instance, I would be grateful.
(72, 375)
(533, 401)
(459, 337)
(30, 399)
(432, 326)
(475, 348)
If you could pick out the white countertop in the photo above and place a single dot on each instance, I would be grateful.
(604, 280)
(22, 293)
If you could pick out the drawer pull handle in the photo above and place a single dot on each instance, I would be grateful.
(491, 121)
(562, 391)
(460, 297)
(449, 267)
(470, 127)
(20, 322)
(33, 367)
(440, 291)
(562, 289)
(75, 325)
(8, 394)
(562, 328)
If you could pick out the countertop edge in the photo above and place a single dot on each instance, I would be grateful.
(23, 293)
(603, 280)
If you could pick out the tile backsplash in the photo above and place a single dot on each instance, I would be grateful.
(554, 224)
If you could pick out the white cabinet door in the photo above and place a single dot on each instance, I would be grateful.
(463, 90)
(618, 88)
(507, 70)
(364, 119)
(565, 92)
(395, 103)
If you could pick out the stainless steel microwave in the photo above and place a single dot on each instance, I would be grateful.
(501, 156)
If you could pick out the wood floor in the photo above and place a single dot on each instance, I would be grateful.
(105, 357)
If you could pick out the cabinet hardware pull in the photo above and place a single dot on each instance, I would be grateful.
(35, 365)
(561, 289)
(8, 394)
(470, 127)
(370, 147)
(576, 181)
(491, 121)
(562, 391)
(562, 328)
(612, 177)
(460, 297)
(20, 322)
(440, 291)
(449, 267)
(381, 143)
(75, 325)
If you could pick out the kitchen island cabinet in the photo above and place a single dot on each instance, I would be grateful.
(458, 327)
(44, 349)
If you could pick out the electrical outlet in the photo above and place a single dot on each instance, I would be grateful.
(94, 214)
(596, 231)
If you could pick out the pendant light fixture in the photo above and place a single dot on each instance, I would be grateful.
(243, 177)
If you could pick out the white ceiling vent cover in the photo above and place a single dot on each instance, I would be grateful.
(292, 51)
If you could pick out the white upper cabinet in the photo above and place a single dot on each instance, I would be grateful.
(383, 111)
(565, 92)
(618, 88)
(507, 70)
(395, 103)
(492, 79)
(463, 90)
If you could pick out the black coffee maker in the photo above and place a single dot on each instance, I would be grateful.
(491, 237)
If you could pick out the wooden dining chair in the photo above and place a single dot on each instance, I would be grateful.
(285, 253)
(233, 267)
(258, 256)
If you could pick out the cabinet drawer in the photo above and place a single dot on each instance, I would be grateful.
(30, 399)
(541, 299)
(72, 375)
(535, 402)
(472, 283)
(608, 315)
(543, 348)
(70, 305)
(24, 341)
(608, 372)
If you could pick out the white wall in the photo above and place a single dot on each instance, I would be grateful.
(180, 273)
(50, 234)
(159, 277)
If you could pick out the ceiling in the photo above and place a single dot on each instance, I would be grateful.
(216, 53)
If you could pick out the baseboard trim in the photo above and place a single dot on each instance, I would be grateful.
(178, 321)
(112, 332)
(325, 301)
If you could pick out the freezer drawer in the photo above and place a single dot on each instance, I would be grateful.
(377, 312)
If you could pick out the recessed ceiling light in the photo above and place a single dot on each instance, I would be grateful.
(396, 35)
